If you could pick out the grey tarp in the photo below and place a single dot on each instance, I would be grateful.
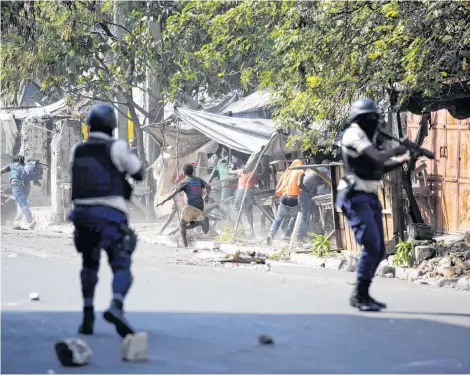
(195, 128)
(240, 134)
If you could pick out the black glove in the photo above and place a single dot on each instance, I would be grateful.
(400, 150)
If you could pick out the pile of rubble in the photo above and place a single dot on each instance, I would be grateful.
(439, 263)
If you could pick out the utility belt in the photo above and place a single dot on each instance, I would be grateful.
(129, 240)
(347, 187)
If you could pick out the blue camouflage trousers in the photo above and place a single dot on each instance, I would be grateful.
(364, 214)
(103, 228)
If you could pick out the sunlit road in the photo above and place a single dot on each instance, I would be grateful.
(206, 319)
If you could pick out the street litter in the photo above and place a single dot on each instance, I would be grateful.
(73, 352)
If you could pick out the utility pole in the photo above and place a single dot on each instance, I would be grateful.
(153, 96)
(122, 130)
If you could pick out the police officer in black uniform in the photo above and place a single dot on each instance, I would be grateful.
(99, 193)
(364, 167)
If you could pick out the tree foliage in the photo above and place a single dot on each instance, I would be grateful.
(315, 57)
(318, 56)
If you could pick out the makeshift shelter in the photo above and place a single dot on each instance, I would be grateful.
(190, 135)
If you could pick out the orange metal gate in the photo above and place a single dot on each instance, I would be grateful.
(449, 139)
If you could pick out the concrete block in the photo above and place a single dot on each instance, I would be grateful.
(445, 262)
(350, 263)
(390, 247)
(463, 283)
(334, 263)
(386, 270)
(423, 253)
(401, 273)
(413, 274)
(446, 283)
(447, 271)
(449, 239)
(308, 260)
(135, 347)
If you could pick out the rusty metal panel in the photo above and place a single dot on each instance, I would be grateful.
(465, 151)
(464, 206)
(450, 206)
(451, 152)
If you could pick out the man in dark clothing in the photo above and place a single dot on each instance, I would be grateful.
(192, 186)
(364, 166)
(100, 192)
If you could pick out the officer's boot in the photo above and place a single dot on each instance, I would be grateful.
(115, 315)
(381, 305)
(360, 297)
(86, 328)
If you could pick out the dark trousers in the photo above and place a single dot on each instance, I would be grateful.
(364, 214)
(109, 232)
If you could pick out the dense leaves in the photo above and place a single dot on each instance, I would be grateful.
(315, 57)
(318, 56)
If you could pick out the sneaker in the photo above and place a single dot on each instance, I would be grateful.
(115, 316)
(86, 328)
(32, 224)
(286, 238)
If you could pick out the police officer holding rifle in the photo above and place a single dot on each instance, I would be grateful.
(364, 167)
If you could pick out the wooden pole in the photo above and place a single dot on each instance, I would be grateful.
(268, 146)
(170, 218)
(293, 237)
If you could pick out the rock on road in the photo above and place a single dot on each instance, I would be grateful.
(206, 319)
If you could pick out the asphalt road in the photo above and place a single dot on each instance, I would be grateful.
(203, 318)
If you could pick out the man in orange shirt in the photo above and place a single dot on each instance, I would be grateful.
(246, 183)
(288, 189)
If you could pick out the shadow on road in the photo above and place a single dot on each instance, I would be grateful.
(227, 343)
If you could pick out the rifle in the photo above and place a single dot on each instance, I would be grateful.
(414, 149)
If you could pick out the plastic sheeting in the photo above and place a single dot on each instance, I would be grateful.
(257, 100)
(38, 112)
(193, 129)
(9, 131)
(240, 134)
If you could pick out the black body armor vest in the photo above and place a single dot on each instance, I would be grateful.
(94, 174)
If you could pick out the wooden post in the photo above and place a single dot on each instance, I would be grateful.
(170, 218)
(339, 244)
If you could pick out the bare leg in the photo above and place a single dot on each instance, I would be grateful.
(183, 227)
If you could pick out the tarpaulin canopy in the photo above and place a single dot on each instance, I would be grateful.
(195, 128)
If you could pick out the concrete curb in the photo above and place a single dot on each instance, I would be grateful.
(346, 263)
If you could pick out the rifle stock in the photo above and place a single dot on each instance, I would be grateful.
(411, 146)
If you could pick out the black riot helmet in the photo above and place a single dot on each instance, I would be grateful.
(363, 107)
(101, 116)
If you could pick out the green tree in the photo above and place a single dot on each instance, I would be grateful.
(318, 56)
(82, 49)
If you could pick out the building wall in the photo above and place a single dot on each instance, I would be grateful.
(66, 134)
(449, 173)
